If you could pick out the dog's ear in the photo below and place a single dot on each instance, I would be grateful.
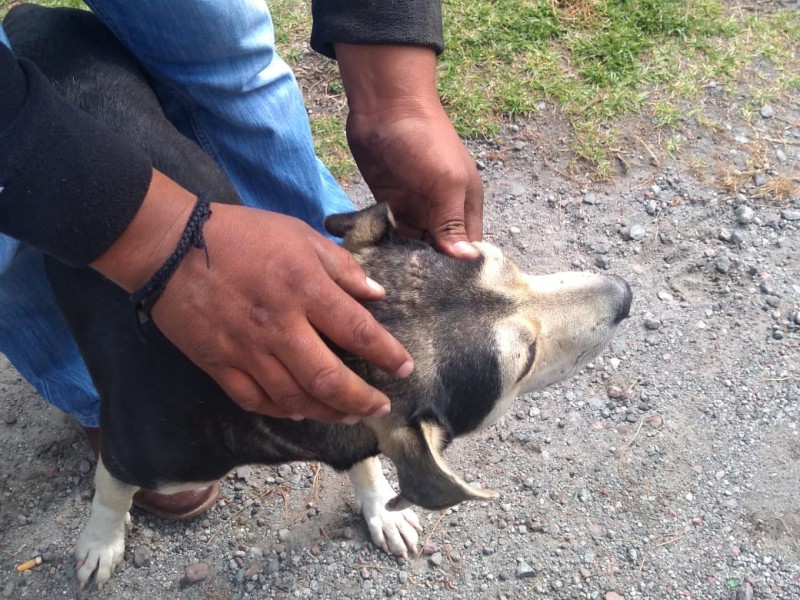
(363, 228)
(425, 479)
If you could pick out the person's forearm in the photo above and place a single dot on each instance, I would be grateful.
(151, 237)
(71, 187)
(385, 78)
(400, 22)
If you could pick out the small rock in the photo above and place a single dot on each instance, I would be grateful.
(651, 323)
(194, 574)
(665, 296)
(142, 556)
(723, 264)
(767, 111)
(613, 596)
(514, 230)
(615, 391)
(596, 403)
(636, 233)
(602, 262)
(524, 570)
(651, 207)
(590, 198)
(516, 189)
(790, 215)
(745, 214)
(436, 559)
(283, 535)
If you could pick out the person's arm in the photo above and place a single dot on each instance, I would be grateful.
(401, 138)
(400, 22)
(70, 186)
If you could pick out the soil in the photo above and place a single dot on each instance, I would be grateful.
(667, 469)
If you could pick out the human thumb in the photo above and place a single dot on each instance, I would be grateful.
(450, 237)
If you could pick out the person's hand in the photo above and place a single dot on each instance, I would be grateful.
(406, 147)
(253, 319)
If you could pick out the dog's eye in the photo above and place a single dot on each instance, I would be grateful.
(528, 362)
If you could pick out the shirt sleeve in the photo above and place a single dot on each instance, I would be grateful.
(70, 187)
(407, 22)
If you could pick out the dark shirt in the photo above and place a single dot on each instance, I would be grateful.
(71, 186)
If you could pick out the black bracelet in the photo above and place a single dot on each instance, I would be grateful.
(192, 236)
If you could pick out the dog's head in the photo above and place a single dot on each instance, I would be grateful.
(481, 333)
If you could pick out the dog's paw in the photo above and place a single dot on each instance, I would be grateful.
(99, 551)
(396, 532)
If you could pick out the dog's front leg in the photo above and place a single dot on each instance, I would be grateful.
(394, 531)
(102, 543)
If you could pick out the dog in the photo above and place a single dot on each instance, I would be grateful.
(481, 333)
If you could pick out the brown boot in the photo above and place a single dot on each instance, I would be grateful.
(181, 506)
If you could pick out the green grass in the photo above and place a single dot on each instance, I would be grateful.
(598, 61)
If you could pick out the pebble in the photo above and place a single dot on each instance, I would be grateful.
(283, 534)
(596, 403)
(590, 198)
(524, 570)
(665, 296)
(194, 574)
(767, 111)
(651, 323)
(516, 190)
(436, 559)
(790, 215)
(745, 214)
(613, 596)
(637, 232)
(142, 556)
(8, 590)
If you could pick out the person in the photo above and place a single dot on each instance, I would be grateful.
(72, 189)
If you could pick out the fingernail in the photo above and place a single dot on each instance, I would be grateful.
(405, 370)
(375, 285)
(297, 417)
(381, 412)
(465, 249)
(350, 420)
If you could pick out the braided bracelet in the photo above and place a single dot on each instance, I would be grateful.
(192, 236)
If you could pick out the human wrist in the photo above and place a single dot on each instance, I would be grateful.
(151, 236)
(388, 81)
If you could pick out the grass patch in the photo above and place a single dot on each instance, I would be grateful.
(597, 61)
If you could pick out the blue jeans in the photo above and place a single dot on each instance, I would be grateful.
(222, 83)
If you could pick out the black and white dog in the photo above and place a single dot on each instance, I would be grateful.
(480, 332)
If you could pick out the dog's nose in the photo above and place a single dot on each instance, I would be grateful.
(624, 299)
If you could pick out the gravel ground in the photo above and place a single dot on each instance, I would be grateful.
(667, 469)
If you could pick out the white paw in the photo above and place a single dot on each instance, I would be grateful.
(394, 531)
(99, 551)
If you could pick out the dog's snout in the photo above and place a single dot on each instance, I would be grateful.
(624, 299)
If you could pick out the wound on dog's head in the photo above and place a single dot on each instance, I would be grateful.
(425, 479)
